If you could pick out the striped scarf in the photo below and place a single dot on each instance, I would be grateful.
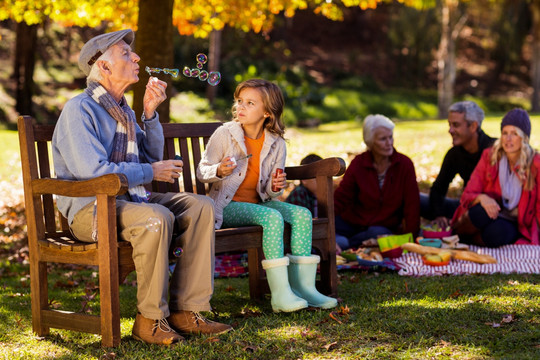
(125, 141)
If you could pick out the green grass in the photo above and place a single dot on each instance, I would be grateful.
(387, 317)
(390, 317)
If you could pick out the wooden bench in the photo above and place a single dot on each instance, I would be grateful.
(50, 240)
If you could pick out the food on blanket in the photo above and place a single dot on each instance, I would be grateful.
(369, 254)
(445, 255)
(433, 258)
(340, 260)
(435, 231)
(349, 255)
(456, 254)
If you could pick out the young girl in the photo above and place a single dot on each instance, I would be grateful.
(245, 192)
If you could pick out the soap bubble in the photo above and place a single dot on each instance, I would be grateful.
(172, 72)
(202, 58)
(203, 76)
(178, 251)
(153, 224)
(214, 78)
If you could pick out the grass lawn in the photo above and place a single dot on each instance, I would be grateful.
(381, 316)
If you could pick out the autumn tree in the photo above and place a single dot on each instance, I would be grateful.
(28, 14)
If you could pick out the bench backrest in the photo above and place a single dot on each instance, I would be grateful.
(188, 141)
(36, 163)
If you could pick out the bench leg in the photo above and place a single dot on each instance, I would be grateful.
(258, 285)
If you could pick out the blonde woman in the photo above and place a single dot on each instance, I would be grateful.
(501, 203)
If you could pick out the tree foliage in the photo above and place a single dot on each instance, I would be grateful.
(119, 14)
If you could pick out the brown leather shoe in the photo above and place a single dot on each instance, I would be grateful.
(154, 331)
(191, 322)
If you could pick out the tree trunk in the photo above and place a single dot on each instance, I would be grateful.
(535, 56)
(446, 61)
(214, 54)
(23, 67)
(154, 44)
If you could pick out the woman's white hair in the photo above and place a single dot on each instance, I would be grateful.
(95, 74)
(372, 122)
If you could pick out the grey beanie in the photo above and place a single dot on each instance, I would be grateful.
(96, 46)
(518, 118)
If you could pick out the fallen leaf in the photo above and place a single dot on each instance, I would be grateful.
(456, 294)
(328, 346)
(211, 340)
(344, 310)
(507, 319)
(495, 325)
(334, 317)
(107, 356)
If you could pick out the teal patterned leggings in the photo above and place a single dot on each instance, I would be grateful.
(270, 215)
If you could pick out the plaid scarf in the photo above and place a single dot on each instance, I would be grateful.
(124, 143)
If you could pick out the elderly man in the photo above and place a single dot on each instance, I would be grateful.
(97, 134)
(469, 141)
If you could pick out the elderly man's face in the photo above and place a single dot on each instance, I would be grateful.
(124, 67)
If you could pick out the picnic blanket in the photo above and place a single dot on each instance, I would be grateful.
(511, 259)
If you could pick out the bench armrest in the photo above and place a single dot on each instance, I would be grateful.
(333, 166)
(110, 185)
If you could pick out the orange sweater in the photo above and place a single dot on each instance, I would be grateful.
(247, 192)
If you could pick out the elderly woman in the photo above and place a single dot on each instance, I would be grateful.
(378, 194)
(501, 203)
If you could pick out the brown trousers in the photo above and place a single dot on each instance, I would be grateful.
(190, 218)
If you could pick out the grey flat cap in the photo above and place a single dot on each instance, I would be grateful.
(96, 46)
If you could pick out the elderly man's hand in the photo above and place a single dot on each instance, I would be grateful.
(153, 96)
(167, 170)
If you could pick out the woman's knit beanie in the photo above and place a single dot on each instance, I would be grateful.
(518, 118)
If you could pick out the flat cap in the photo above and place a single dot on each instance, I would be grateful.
(96, 46)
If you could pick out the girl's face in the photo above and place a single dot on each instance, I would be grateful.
(250, 107)
(510, 139)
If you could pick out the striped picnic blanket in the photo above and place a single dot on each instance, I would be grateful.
(517, 259)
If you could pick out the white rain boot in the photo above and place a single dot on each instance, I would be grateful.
(302, 273)
(283, 299)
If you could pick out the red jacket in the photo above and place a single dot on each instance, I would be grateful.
(485, 180)
(359, 200)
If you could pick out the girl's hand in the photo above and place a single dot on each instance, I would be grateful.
(226, 167)
(490, 205)
(280, 181)
(153, 96)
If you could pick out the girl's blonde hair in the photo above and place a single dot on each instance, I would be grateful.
(273, 102)
(524, 162)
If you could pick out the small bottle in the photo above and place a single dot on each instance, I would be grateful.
(278, 171)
